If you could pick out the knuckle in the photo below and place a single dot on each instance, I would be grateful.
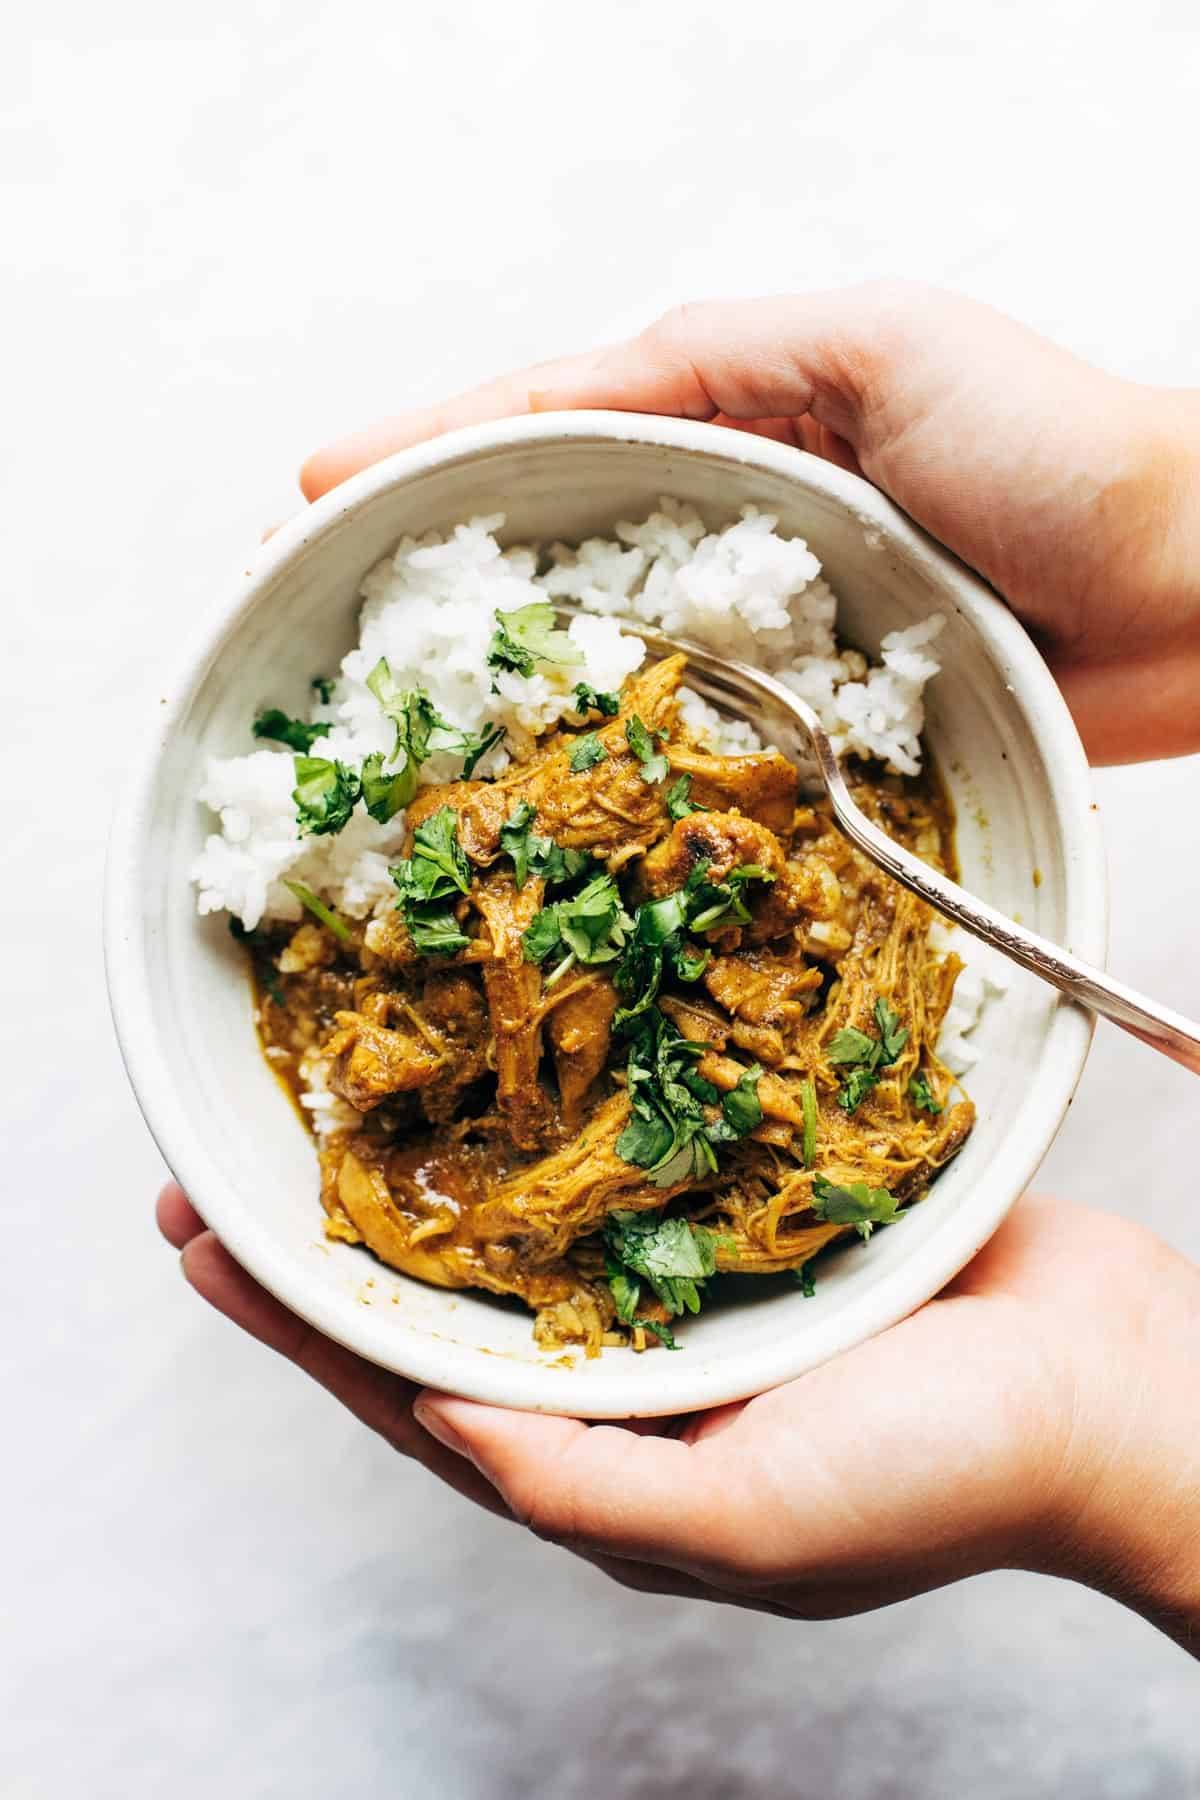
(679, 325)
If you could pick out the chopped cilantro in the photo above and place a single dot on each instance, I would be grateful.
(422, 732)
(319, 910)
(808, 1103)
(718, 904)
(527, 636)
(384, 795)
(655, 766)
(672, 1256)
(669, 1133)
(741, 1109)
(514, 838)
(533, 855)
(865, 1057)
(921, 1094)
(325, 795)
(587, 752)
(590, 927)
(591, 701)
(678, 804)
(658, 940)
(294, 733)
(428, 882)
(663, 1333)
(855, 1204)
(804, 1279)
(324, 685)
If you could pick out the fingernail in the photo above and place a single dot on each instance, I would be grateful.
(427, 1416)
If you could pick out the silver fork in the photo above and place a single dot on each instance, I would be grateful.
(734, 684)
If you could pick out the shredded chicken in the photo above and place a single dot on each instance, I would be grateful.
(500, 1128)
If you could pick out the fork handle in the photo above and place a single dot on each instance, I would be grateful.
(1158, 1026)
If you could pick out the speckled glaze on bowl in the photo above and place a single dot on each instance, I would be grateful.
(179, 990)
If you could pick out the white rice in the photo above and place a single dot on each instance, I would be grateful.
(429, 608)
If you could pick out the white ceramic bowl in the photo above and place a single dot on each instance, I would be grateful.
(179, 990)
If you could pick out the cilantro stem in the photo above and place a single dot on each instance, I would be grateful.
(319, 910)
(808, 1102)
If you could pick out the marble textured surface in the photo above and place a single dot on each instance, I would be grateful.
(230, 232)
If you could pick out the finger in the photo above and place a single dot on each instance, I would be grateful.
(176, 1217)
(738, 360)
(746, 363)
(381, 1400)
(505, 398)
(602, 1489)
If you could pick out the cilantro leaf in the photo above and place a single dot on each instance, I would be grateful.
(325, 795)
(663, 1333)
(436, 847)
(383, 795)
(514, 838)
(434, 929)
(591, 701)
(587, 752)
(864, 1056)
(534, 855)
(892, 1035)
(672, 1256)
(718, 904)
(854, 1204)
(422, 732)
(851, 1046)
(854, 1090)
(655, 766)
(678, 804)
(324, 685)
(741, 1108)
(428, 882)
(294, 733)
(590, 927)
(527, 636)
(670, 1134)
(319, 910)
(921, 1094)
(475, 746)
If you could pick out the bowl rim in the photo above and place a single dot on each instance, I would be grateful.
(435, 1360)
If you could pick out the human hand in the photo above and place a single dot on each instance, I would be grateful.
(1076, 494)
(1039, 1414)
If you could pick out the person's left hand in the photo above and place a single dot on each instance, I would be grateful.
(1037, 1414)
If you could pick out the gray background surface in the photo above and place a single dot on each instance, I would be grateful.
(231, 232)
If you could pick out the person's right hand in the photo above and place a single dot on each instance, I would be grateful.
(1076, 494)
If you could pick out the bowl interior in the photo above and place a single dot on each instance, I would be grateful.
(995, 722)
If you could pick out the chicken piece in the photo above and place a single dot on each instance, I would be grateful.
(762, 989)
(765, 997)
(728, 840)
(579, 1023)
(736, 1250)
(725, 840)
(514, 997)
(540, 1210)
(309, 947)
(369, 1062)
(481, 806)
(403, 1240)
(387, 939)
(774, 1095)
(763, 786)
